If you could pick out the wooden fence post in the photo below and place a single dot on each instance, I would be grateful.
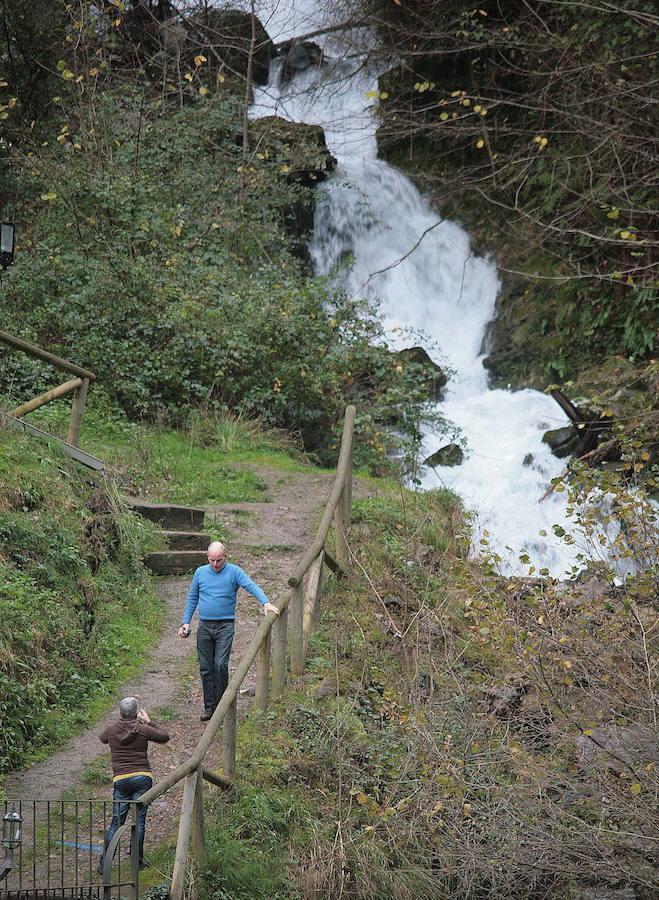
(296, 630)
(342, 552)
(279, 655)
(229, 740)
(263, 674)
(198, 828)
(77, 409)
(184, 827)
(311, 597)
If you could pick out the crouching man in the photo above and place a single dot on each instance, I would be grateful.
(128, 738)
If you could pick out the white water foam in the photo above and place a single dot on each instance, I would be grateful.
(422, 272)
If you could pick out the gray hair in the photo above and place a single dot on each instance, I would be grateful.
(128, 708)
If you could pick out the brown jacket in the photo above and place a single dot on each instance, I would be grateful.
(128, 740)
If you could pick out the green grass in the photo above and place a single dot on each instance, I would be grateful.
(214, 460)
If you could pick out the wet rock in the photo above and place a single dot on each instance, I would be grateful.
(305, 160)
(299, 56)
(449, 455)
(436, 378)
(301, 147)
(616, 747)
(562, 441)
(227, 34)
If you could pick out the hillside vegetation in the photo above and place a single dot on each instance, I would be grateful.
(160, 242)
(78, 612)
(457, 734)
(533, 125)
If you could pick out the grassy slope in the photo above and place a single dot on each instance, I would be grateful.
(445, 764)
(72, 581)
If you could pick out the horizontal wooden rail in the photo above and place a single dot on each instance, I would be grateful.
(54, 394)
(32, 350)
(220, 781)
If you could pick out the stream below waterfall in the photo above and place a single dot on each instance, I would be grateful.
(422, 273)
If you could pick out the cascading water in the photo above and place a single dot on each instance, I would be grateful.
(422, 273)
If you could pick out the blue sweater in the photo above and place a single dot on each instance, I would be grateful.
(215, 592)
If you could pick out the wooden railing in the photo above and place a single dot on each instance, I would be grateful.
(291, 627)
(77, 386)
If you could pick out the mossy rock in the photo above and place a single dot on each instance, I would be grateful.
(301, 148)
(436, 379)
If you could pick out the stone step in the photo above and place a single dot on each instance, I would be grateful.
(187, 540)
(175, 562)
(168, 515)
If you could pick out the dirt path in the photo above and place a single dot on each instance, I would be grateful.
(266, 539)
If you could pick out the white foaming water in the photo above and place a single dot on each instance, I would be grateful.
(422, 273)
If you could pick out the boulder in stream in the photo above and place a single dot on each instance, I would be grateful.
(449, 455)
(564, 441)
(436, 378)
(298, 56)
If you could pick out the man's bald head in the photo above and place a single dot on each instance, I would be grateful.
(217, 555)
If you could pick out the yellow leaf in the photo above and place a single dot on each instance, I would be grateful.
(3, 84)
(285, 168)
(203, 91)
(361, 798)
(371, 94)
(443, 117)
(188, 76)
(384, 95)
(635, 788)
(50, 196)
(483, 112)
(480, 143)
(221, 79)
(67, 75)
(199, 60)
(93, 72)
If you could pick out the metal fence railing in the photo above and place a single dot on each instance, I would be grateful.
(59, 849)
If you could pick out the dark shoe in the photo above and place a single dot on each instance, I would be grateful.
(206, 715)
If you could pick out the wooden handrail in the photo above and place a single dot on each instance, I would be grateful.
(337, 506)
(32, 350)
(342, 467)
(53, 394)
(77, 386)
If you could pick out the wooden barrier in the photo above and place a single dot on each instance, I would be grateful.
(270, 648)
(77, 386)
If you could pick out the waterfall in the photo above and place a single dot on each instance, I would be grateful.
(423, 274)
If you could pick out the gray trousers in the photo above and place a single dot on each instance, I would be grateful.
(214, 639)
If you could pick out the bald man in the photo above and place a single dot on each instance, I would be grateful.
(213, 590)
